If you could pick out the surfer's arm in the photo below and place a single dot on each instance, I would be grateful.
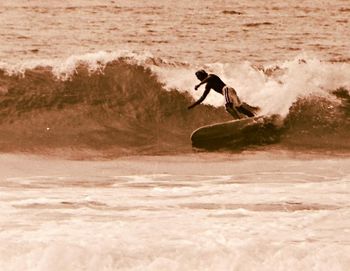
(201, 99)
(202, 82)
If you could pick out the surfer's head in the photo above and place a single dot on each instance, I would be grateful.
(201, 74)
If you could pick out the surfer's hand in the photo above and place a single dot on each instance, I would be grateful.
(196, 87)
(191, 106)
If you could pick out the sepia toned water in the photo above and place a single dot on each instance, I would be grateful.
(97, 171)
(197, 212)
(202, 31)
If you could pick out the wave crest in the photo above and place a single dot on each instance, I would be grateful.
(320, 122)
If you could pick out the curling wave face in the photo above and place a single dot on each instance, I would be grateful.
(131, 107)
(125, 108)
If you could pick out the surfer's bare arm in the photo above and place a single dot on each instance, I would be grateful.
(201, 99)
(202, 82)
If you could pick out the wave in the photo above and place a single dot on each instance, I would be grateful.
(123, 109)
(257, 24)
(317, 122)
(132, 104)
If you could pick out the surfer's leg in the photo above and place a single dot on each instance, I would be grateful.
(245, 111)
(253, 109)
(229, 94)
(232, 110)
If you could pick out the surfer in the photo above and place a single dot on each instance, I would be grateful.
(233, 104)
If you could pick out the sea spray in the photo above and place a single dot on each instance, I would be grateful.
(273, 88)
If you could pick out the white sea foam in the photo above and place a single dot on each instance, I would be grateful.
(274, 214)
(64, 68)
(299, 77)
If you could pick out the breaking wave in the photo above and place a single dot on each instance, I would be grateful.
(138, 105)
(316, 122)
(123, 109)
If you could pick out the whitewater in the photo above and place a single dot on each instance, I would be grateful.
(194, 212)
(97, 170)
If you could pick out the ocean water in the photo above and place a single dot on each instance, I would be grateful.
(195, 212)
(225, 31)
(97, 167)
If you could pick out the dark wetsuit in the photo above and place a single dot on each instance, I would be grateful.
(213, 82)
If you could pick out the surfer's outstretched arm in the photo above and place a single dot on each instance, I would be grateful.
(201, 99)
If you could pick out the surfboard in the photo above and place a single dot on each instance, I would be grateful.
(235, 132)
